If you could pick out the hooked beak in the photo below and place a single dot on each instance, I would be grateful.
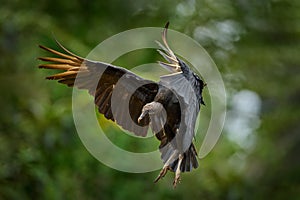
(144, 113)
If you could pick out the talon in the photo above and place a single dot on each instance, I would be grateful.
(162, 173)
(178, 171)
(176, 180)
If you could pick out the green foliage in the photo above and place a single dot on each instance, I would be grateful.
(41, 156)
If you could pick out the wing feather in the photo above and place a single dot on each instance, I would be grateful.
(101, 80)
(189, 107)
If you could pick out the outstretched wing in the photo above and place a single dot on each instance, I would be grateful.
(172, 64)
(183, 84)
(119, 94)
(189, 107)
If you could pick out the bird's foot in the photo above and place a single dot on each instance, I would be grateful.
(178, 171)
(162, 173)
(177, 179)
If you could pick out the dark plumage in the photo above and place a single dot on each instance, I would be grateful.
(170, 106)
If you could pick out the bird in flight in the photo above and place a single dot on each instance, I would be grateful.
(169, 107)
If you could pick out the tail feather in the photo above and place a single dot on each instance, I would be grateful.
(189, 157)
(189, 160)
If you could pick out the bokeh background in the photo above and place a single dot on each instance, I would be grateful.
(255, 45)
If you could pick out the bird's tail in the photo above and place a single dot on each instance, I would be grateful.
(189, 157)
(189, 160)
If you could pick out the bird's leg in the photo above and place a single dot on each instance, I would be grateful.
(162, 173)
(178, 171)
(166, 167)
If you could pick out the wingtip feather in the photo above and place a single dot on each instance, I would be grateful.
(167, 25)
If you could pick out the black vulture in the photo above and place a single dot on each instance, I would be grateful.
(170, 106)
